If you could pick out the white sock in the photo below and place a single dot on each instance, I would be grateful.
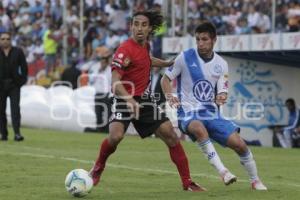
(210, 153)
(287, 138)
(281, 140)
(249, 164)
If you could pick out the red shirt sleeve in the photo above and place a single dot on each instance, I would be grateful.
(121, 60)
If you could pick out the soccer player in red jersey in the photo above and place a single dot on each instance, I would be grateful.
(132, 100)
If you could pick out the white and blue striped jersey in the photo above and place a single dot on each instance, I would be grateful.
(198, 82)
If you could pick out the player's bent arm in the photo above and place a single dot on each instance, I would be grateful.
(166, 85)
(119, 90)
(167, 90)
(156, 62)
(118, 87)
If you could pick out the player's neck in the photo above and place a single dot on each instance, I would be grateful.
(6, 49)
(139, 42)
(206, 57)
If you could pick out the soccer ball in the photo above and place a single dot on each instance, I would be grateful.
(78, 183)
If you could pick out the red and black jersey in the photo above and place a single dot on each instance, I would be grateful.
(133, 63)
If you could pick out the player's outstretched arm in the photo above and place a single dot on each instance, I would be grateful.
(156, 62)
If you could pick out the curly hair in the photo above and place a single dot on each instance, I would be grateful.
(155, 18)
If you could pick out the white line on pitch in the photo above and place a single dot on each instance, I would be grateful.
(130, 168)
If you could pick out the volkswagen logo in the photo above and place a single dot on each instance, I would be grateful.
(203, 91)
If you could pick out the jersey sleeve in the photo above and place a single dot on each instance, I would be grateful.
(121, 60)
(222, 84)
(173, 71)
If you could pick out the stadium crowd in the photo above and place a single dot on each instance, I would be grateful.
(106, 22)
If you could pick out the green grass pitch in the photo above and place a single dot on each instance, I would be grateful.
(140, 169)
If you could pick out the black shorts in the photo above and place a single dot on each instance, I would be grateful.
(151, 116)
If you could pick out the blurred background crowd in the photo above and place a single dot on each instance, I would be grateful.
(106, 24)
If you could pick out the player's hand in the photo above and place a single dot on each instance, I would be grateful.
(134, 107)
(170, 62)
(173, 101)
(221, 98)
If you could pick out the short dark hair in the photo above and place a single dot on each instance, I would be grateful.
(155, 18)
(5, 32)
(207, 27)
(291, 101)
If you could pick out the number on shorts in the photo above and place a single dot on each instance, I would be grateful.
(118, 115)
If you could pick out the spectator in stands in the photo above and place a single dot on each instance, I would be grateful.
(50, 41)
(281, 20)
(57, 12)
(253, 17)
(2, 28)
(4, 18)
(13, 75)
(242, 27)
(91, 34)
(294, 16)
(71, 75)
(264, 23)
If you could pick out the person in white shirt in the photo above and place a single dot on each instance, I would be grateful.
(202, 86)
(100, 79)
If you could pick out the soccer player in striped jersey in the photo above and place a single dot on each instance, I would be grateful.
(202, 86)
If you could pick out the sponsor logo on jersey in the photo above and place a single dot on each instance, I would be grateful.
(120, 55)
(203, 91)
(194, 65)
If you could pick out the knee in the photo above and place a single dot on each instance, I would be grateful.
(239, 147)
(115, 137)
(198, 130)
(171, 139)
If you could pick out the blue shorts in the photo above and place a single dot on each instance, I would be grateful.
(218, 128)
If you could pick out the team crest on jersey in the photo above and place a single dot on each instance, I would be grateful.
(126, 62)
(216, 70)
(203, 91)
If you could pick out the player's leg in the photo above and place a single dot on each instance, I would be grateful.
(108, 147)
(168, 135)
(236, 143)
(3, 119)
(197, 129)
(287, 136)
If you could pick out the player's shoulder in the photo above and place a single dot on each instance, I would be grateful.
(189, 51)
(219, 59)
(186, 53)
(125, 44)
(124, 50)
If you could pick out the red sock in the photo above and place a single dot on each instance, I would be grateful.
(179, 158)
(105, 151)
